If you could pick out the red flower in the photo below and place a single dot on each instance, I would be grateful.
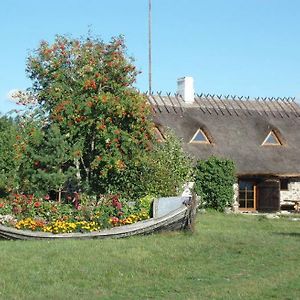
(37, 204)
(114, 220)
(2, 205)
(47, 197)
(116, 203)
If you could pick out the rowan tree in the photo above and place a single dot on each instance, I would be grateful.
(84, 87)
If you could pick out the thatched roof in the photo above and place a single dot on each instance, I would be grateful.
(236, 128)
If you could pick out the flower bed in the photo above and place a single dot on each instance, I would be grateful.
(75, 214)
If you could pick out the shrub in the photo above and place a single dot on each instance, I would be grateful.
(161, 172)
(214, 179)
(171, 167)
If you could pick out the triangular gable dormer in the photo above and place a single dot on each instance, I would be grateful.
(272, 139)
(200, 137)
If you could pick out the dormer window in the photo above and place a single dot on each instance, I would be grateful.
(272, 139)
(200, 138)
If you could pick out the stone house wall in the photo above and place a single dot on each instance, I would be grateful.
(235, 202)
(293, 192)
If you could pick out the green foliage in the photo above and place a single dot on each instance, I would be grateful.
(95, 122)
(28, 206)
(145, 203)
(214, 179)
(170, 167)
(161, 172)
(49, 162)
(8, 155)
(90, 128)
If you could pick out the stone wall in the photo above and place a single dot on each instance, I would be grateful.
(293, 192)
(235, 205)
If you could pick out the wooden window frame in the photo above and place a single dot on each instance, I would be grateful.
(206, 141)
(254, 198)
(265, 143)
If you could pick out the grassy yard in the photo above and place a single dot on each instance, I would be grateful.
(228, 257)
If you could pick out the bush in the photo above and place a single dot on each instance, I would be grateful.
(161, 172)
(171, 167)
(214, 179)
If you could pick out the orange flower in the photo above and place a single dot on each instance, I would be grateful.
(37, 204)
(101, 127)
(90, 83)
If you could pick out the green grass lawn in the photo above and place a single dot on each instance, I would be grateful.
(228, 257)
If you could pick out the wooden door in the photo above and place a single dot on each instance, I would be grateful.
(269, 195)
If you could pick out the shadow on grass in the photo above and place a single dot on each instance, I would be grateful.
(292, 234)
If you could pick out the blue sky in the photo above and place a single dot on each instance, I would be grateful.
(237, 47)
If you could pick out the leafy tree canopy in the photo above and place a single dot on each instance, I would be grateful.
(8, 154)
(95, 121)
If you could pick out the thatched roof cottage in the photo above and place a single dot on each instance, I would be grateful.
(260, 135)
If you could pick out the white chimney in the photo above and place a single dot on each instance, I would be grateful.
(185, 88)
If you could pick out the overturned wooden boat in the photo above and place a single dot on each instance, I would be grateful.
(171, 213)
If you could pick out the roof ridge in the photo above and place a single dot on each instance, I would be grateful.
(228, 96)
(225, 104)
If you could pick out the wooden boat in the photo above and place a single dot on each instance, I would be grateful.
(180, 217)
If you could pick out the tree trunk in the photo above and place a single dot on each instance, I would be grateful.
(77, 166)
(59, 195)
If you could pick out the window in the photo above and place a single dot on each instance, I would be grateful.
(271, 140)
(200, 137)
(247, 195)
(284, 184)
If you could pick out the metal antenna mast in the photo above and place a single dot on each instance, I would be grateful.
(150, 57)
